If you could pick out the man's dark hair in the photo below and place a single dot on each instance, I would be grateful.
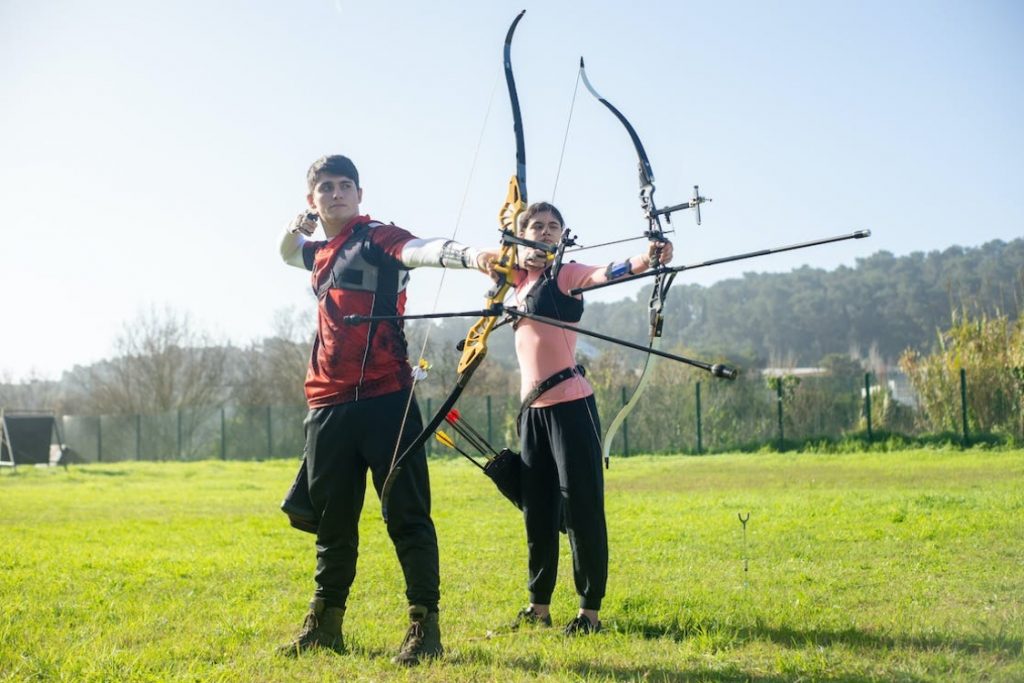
(333, 164)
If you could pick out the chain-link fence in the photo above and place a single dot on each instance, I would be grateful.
(227, 432)
(681, 414)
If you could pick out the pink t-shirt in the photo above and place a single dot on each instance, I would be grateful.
(543, 350)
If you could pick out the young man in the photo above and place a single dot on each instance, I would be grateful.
(357, 388)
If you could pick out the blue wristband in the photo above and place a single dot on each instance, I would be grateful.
(617, 270)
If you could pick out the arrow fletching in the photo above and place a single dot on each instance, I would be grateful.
(444, 439)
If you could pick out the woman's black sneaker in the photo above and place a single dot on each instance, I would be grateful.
(581, 626)
(528, 617)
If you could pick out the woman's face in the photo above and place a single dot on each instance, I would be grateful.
(544, 227)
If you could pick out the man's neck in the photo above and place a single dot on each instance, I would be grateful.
(332, 229)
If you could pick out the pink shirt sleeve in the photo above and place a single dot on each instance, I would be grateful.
(575, 275)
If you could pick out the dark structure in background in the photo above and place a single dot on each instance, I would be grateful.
(30, 437)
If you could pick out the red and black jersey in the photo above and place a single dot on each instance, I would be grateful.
(358, 272)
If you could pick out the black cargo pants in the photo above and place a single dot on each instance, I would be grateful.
(343, 442)
(561, 453)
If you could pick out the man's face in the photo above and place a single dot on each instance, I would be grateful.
(336, 198)
(543, 227)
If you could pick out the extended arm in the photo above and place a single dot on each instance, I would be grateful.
(441, 253)
(620, 269)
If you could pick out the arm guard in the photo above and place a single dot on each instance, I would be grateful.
(438, 252)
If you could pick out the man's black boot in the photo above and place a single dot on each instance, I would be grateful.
(320, 629)
(422, 640)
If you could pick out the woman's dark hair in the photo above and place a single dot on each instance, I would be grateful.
(334, 164)
(535, 208)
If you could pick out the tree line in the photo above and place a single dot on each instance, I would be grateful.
(872, 312)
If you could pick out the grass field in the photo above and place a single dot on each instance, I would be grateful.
(894, 567)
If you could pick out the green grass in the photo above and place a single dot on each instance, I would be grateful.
(887, 566)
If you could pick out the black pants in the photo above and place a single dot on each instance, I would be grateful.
(342, 443)
(561, 451)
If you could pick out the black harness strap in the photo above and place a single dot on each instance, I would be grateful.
(355, 267)
(546, 384)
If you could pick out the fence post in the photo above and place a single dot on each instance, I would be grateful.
(625, 428)
(223, 435)
(700, 445)
(867, 401)
(179, 433)
(270, 433)
(490, 434)
(963, 402)
(99, 438)
(778, 400)
(138, 436)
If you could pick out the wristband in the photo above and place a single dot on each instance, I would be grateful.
(617, 270)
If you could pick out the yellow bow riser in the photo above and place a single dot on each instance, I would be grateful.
(475, 346)
(508, 214)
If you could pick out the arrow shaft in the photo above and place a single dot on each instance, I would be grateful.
(622, 342)
(859, 234)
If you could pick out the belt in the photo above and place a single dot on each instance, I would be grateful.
(546, 384)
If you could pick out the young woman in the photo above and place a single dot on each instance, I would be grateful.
(559, 425)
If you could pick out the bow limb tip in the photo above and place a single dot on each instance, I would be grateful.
(512, 28)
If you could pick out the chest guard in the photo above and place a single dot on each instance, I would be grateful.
(353, 270)
(547, 300)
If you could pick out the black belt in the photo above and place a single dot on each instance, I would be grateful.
(548, 383)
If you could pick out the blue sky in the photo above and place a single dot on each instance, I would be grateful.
(150, 152)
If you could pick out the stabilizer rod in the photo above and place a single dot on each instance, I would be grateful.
(859, 234)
